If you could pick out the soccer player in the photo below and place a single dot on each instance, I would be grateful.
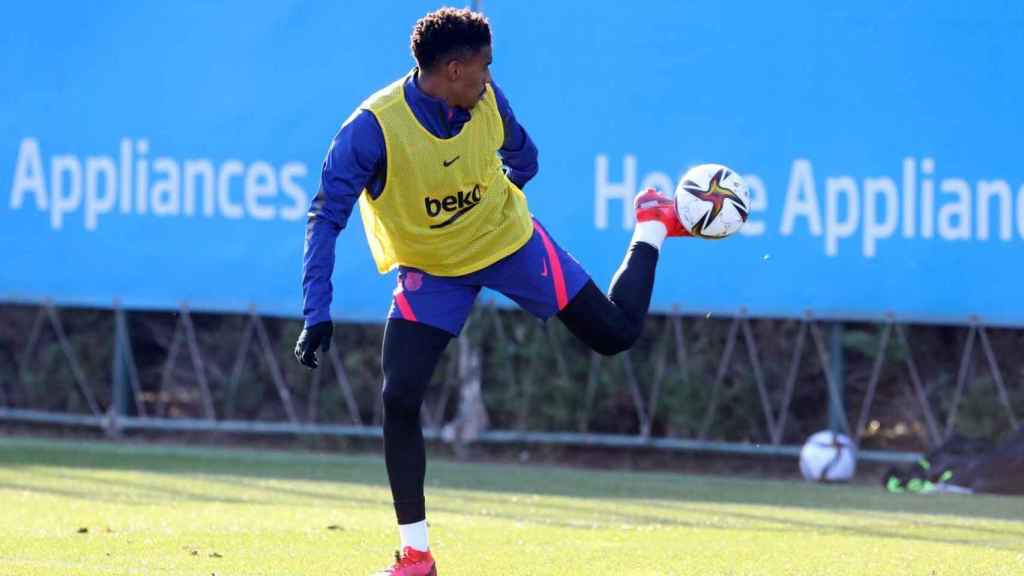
(437, 162)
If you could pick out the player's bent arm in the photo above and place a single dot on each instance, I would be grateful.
(355, 161)
(518, 152)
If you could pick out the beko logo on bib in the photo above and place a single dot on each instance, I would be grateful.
(458, 204)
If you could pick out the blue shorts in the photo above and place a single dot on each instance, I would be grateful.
(540, 277)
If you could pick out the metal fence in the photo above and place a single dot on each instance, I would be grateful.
(118, 403)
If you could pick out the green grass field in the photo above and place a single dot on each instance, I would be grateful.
(108, 509)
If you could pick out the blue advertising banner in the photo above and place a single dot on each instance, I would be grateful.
(159, 153)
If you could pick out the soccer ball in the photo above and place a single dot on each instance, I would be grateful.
(712, 201)
(828, 456)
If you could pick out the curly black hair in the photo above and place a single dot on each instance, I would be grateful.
(447, 32)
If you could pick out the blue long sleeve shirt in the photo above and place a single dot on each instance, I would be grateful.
(357, 161)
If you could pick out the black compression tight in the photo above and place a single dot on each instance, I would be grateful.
(608, 324)
(611, 324)
(411, 352)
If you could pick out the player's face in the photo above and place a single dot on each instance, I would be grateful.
(471, 83)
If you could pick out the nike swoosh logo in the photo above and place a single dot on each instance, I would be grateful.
(544, 273)
(448, 163)
(454, 217)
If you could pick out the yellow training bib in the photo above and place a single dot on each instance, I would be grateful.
(447, 207)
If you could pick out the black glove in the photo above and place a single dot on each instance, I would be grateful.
(316, 336)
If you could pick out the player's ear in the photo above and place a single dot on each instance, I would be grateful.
(453, 69)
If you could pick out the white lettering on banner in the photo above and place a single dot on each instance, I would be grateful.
(260, 183)
(167, 190)
(165, 187)
(927, 198)
(228, 208)
(195, 169)
(835, 229)
(289, 172)
(96, 204)
(875, 229)
(28, 175)
(625, 190)
(878, 208)
(1001, 190)
(125, 165)
(801, 199)
(605, 191)
(60, 203)
(959, 209)
(909, 177)
(1020, 211)
(141, 176)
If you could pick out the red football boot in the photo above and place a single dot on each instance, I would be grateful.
(653, 205)
(411, 562)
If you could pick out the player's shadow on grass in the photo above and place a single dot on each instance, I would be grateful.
(875, 524)
(107, 489)
(573, 514)
(493, 484)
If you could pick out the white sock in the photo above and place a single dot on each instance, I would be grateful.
(414, 535)
(650, 232)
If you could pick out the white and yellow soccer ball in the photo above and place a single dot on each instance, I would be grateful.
(828, 456)
(712, 201)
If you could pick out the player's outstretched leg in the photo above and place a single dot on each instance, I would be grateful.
(611, 324)
(411, 351)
